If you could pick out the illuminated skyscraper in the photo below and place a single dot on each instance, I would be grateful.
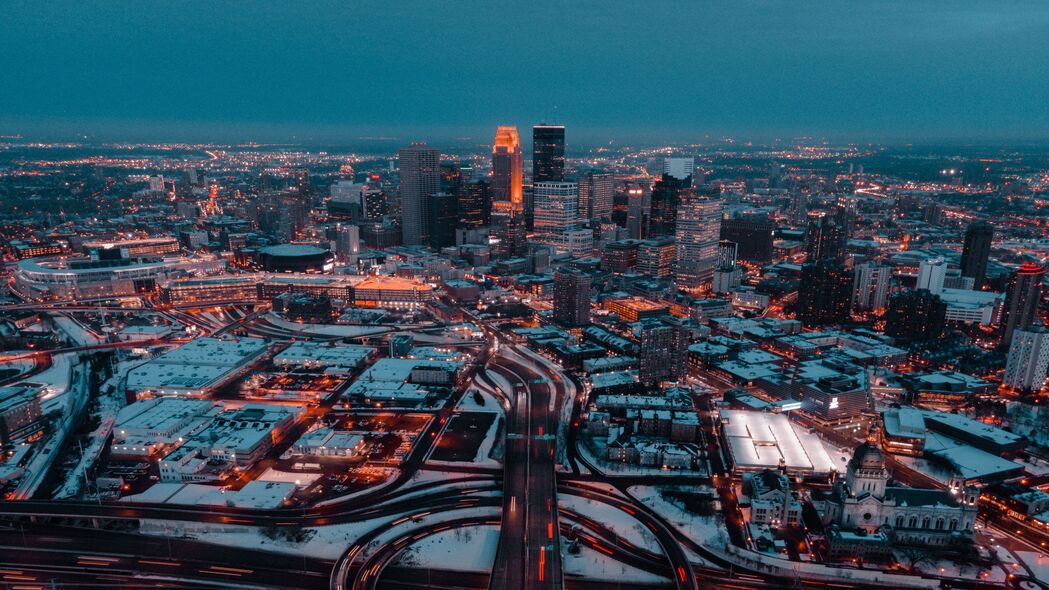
(420, 179)
(507, 162)
(548, 153)
(556, 212)
(596, 194)
(824, 237)
(696, 239)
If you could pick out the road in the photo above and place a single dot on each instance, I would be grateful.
(32, 556)
(529, 553)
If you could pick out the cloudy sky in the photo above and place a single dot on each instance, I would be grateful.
(656, 70)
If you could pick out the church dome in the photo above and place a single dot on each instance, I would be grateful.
(868, 456)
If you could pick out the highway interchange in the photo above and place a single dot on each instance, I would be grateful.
(82, 545)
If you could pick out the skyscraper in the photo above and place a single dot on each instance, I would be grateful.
(696, 240)
(1028, 360)
(420, 179)
(824, 238)
(571, 297)
(548, 153)
(639, 204)
(870, 286)
(753, 234)
(443, 217)
(507, 180)
(596, 195)
(824, 294)
(931, 274)
(556, 212)
(473, 205)
(976, 250)
(915, 315)
(655, 257)
(1022, 297)
(679, 168)
(667, 194)
(655, 362)
(348, 244)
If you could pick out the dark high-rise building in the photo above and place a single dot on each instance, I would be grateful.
(1022, 297)
(655, 362)
(444, 216)
(571, 297)
(452, 179)
(667, 194)
(620, 257)
(548, 153)
(638, 211)
(915, 315)
(976, 250)
(474, 205)
(825, 293)
(420, 179)
(824, 238)
(753, 236)
(375, 205)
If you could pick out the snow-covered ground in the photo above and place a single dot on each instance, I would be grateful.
(705, 530)
(949, 569)
(1037, 563)
(618, 521)
(596, 458)
(71, 407)
(56, 380)
(77, 332)
(21, 365)
(326, 329)
(297, 478)
(709, 532)
(327, 542)
(467, 549)
(592, 565)
(490, 402)
(76, 477)
(483, 456)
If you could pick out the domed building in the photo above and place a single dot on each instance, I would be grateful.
(865, 501)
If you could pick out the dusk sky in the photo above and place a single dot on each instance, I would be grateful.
(333, 71)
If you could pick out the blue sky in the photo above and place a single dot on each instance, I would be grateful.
(654, 71)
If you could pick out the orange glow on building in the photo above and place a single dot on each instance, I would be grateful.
(507, 167)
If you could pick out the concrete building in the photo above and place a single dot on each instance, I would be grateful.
(1028, 359)
(696, 238)
(870, 286)
(420, 180)
(571, 297)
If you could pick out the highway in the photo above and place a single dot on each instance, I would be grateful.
(39, 554)
(529, 553)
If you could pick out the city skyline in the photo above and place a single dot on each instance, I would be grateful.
(527, 296)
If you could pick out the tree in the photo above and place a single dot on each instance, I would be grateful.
(916, 555)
